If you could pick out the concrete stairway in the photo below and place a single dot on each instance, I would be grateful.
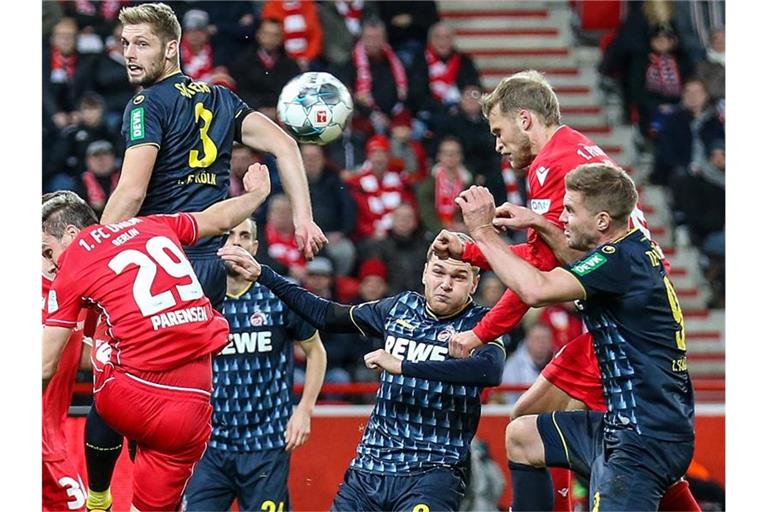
(509, 36)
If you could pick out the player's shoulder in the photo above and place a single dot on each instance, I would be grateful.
(619, 251)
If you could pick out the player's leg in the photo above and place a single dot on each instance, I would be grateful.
(213, 484)
(102, 449)
(62, 487)
(263, 481)
(359, 492)
(439, 489)
(537, 488)
(679, 498)
(634, 471)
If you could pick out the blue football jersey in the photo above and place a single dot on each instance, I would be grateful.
(253, 375)
(632, 312)
(193, 125)
(416, 423)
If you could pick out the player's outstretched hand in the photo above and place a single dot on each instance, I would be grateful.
(241, 261)
(477, 208)
(461, 344)
(448, 244)
(297, 432)
(384, 360)
(256, 179)
(309, 238)
(512, 216)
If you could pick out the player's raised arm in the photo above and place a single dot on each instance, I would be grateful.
(223, 216)
(131, 189)
(261, 134)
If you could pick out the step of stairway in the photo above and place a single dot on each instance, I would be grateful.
(495, 39)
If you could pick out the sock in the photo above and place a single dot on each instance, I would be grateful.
(531, 488)
(678, 498)
(98, 500)
(561, 480)
(102, 449)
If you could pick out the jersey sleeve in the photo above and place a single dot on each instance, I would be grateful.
(602, 272)
(370, 317)
(298, 328)
(63, 303)
(183, 224)
(143, 121)
(241, 111)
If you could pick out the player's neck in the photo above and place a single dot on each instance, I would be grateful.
(236, 285)
(613, 235)
(171, 69)
(542, 136)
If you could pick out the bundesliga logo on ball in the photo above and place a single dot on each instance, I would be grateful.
(315, 107)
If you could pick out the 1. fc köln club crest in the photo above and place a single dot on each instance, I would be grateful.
(258, 318)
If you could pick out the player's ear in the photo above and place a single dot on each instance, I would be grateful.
(171, 49)
(255, 248)
(603, 221)
(526, 119)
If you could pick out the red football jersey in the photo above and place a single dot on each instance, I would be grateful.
(58, 394)
(136, 273)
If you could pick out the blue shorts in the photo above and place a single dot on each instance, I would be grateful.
(436, 489)
(626, 471)
(259, 481)
(212, 274)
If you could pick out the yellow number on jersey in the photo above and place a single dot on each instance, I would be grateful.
(210, 152)
(677, 313)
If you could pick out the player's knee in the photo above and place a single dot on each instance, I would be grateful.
(515, 440)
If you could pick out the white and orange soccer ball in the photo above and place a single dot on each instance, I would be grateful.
(315, 107)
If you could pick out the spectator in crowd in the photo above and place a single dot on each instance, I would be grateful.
(301, 28)
(342, 24)
(563, 321)
(66, 74)
(377, 190)
(695, 22)
(489, 292)
(655, 81)
(448, 69)
(196, 51)
(437, 193)
(404, 249)
(525, 364)
(68, 155)
(373, 281)
(333, 207)
(711, 70)
(377, 78)
(261, 70)
(232, 25)
(348, 151)
(52, 13)
(681, 143)
(407, 23)
(242, 157)
(95, 19)
(485, 480)
(111, 81)
(469, 126)
(280, 240)
(101, 174)
(408, 153)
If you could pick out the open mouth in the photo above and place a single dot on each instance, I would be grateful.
(133, 69)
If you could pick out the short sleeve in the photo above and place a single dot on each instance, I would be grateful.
(183, 224)
(241, 110)
(298, 328)
(142, 121)
(64, 302)
(370, 317)
(603, 271)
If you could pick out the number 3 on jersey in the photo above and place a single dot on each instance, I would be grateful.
(158, 248)
(210, 152)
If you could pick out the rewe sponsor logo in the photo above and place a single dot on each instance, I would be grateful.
(414, 351)
(248, 343)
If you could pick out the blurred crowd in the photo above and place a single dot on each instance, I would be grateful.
(384, 188)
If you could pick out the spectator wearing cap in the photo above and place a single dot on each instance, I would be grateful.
(437, 193)
(377, 190)
(334, 209)
(101, 174)
(404, 249)
(408, 153)
(373, 280)
(68, 154)
(263, 68)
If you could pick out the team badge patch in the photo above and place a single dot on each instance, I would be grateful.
(444, 336)
(258, 318)
(138, 99)
(137, 123)
(589, 264)
(609, 249)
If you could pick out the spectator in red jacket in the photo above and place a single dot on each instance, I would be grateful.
(301, 28)
(408, 153)
(281, 241)
(377, 190)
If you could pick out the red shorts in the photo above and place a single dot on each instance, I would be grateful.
(63, 488)
(574, 369)
(168, 414)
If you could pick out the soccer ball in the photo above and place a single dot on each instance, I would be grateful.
(315, 107)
